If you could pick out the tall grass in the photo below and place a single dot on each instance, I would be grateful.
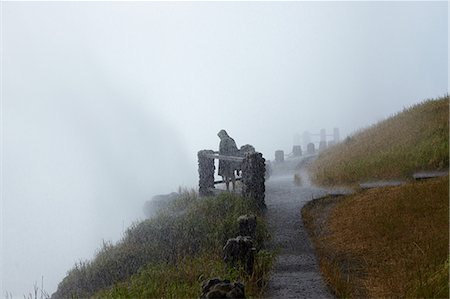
(412, 140)
(387, 242)
(181, 243)
(183, 279)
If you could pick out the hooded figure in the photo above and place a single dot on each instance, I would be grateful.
(227, 147)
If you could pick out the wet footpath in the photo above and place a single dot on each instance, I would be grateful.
(296, 272)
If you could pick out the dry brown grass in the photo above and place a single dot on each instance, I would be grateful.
(386, 242)
(412, 140)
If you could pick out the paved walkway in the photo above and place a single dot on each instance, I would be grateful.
(296, 272)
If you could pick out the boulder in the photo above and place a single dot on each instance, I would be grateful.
(247, 225)
(239, 251)
(216, 288)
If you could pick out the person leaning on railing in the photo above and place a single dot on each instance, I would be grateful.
(227, 147)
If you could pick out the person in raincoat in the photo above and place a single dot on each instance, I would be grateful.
(227, 147)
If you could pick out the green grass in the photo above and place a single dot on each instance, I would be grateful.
(412, 140)
(434, 284)
(183, 280)
(168, 255)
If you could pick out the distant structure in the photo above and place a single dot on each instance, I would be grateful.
(336, 136)
(297, 139)
(311, 149)
(297, 147)
(306, 138)
(279, 156)
(323, 135)
(322, 144)
(297, 150)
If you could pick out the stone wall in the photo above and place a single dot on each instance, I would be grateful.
(253, 175)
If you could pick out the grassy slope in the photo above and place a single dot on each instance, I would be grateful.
(387, 242)
(170, 254)
(414, 139)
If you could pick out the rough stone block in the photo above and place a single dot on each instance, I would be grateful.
(240, 251)
(216, 288)
(247, 225)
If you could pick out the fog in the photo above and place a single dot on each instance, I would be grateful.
(106, 104)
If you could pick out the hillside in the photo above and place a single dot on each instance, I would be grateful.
(388, 241)
(385, 242)
(172, 253)
(413, 140)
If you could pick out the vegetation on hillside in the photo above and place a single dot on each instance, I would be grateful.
(391, 241)
(413, 140)
(170, 254)
(386, 242)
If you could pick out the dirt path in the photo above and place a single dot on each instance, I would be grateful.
(296, 272)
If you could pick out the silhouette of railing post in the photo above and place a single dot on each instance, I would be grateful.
(206, 172)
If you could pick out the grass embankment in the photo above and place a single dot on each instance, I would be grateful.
(393, 241)
(387, 242)
(412, 140)
(171, 254)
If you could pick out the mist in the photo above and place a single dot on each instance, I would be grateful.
(106, 104)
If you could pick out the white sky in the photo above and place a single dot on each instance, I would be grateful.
(106, 104)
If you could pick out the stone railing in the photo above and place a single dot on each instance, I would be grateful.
(253, 174)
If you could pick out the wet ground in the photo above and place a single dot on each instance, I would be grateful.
(379, 184)
(429, 174)
(296, 272)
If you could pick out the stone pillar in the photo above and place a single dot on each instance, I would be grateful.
(240, 251)
(322, 146)
(311, 149)
(297, 139)
(336, 135)
(279, 156)
(323, 135)
(253, 173)
(217, 288)
(306, 138)
(297, 150)
(247, 225)
(206, 173)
